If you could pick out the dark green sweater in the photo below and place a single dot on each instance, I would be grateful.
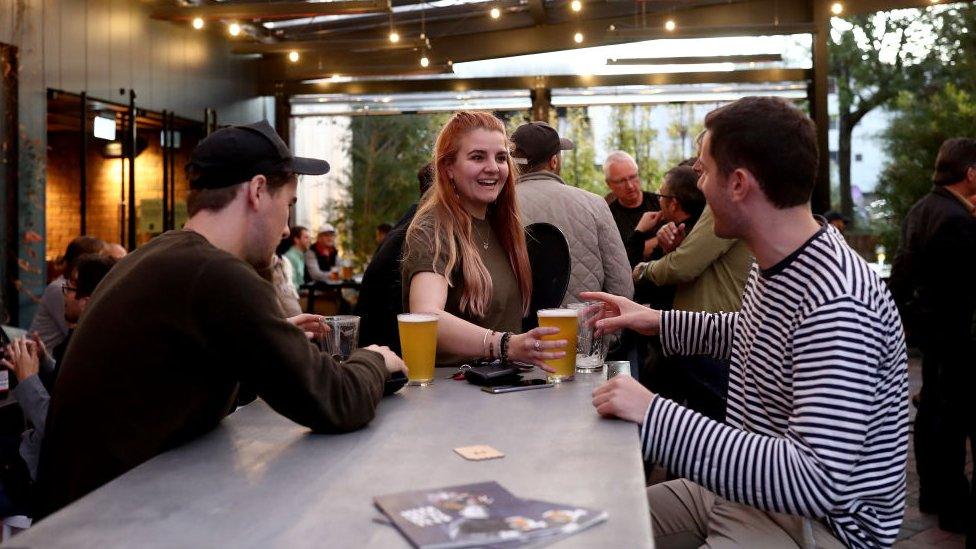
(157, 359)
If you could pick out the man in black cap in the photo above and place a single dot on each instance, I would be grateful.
(178, 324)
(599, 261)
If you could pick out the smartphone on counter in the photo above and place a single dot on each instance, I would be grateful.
(522, 385)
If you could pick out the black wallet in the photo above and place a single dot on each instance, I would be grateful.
(492, 373)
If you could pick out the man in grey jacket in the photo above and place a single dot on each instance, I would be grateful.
(597, 253)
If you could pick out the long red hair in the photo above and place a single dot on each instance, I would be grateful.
(452, 223)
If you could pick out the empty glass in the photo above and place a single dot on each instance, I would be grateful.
(590, 351)
(343, 338)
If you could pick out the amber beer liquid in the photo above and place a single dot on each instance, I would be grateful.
(418, 343)
(565, 320)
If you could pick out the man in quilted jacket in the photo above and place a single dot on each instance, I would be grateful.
(599, 260)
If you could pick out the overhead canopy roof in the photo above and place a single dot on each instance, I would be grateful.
(352, 37)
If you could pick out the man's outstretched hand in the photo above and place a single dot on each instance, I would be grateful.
(620, 312)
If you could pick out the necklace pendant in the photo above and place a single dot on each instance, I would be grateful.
(486, 245)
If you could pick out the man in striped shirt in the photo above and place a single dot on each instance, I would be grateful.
(813, 451)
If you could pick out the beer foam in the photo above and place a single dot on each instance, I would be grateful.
(416, 317)
(549, 313)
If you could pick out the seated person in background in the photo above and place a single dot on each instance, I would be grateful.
(36, 370)
(323, 255)
(180, 323)
(465, 259)
(381, 294)
(285, 290)
(295, 245)
(814, 449)
(49, 321)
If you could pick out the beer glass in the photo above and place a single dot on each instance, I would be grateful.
(418, 342)
(345, 269)
(565, 320)
(343, 338)
(591, 350)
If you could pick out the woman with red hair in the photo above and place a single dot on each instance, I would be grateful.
(465, 258)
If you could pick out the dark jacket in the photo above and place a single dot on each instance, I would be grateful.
(627, 219)
(934, 272)
(166, 340)
(380, 297)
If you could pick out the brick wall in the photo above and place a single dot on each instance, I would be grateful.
(105, 182)
(63, 186)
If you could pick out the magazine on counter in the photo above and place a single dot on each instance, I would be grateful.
(482, 514)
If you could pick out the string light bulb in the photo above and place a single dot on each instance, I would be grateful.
(234, 29)
(394, 37)
(293, 56)
(495, 13)
(576, 6)
(198, 23)
(424, 62)
(837, 8)
(578, 38)
(670, 25)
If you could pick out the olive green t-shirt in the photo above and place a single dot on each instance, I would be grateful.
(505, 309)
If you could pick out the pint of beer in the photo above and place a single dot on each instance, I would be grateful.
(418, 342)
(565, 320)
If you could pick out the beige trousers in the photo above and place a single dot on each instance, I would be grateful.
(685, 514)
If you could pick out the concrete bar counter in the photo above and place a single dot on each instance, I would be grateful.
(260, 480)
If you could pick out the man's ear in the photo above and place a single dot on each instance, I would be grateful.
(741, 183)
(554, 163)
(257, 190)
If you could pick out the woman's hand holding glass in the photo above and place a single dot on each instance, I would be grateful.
(531, 349)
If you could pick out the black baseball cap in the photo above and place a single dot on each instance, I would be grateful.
(536, 142)
(235, 154)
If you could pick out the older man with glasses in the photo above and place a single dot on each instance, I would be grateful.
(629, 204)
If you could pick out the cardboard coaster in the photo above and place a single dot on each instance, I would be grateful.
(478, 452)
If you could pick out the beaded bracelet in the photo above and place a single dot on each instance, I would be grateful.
(504, 346)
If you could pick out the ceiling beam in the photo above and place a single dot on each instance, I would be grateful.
(697, 60)
(269, 10)
(530, 82)
(325, 46)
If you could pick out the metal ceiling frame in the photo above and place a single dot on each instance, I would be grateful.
(533, 82)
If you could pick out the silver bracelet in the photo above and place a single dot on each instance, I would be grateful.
(484, 344)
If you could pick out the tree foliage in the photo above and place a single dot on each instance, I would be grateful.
(873, 58)
(927, 116)
(579, 165)
(631, 131)
(913, 140)
(386, 152)
(683, 130)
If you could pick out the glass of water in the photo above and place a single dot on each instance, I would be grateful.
(343, 336)
(590, 350)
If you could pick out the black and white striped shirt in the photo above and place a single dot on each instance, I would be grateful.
(817, 405)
